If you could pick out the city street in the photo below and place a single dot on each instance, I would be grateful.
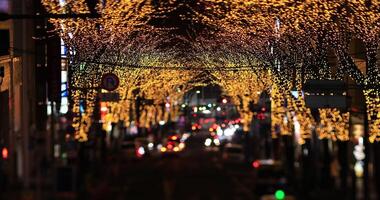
(190, 175)
(190, 99)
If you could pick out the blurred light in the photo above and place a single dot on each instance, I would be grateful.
(211, 129)
(358, 168)
(104, 109)
(218, 109)
(57, 151)
(256, 164)
(359, 152)
(174, 137)
(209, 105)
(4, 153)
(305, 152)
(198, 92)
(159, 146)
(206, 112)
(279, 195)
(62, 3)
(67, 137)
(140, 151)
(183, 105)
(224, 101)
(150, 146)
(185, 136)
(297, 129)
(169, 146)
(216, 142)
(236, 126)
(64, 105)
(163, 149)
(361, 141)
(267, 162)
(219, 131)
(208, 142)
(295, 94)
(161, 122)
(49, 108)
(193, 128)
(176, 149)
(167, 105)
(181, 145)
(229, 131)
(195, 109)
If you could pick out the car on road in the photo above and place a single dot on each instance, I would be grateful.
(233, 153)
(142, 146)
(172, 144)
(212, 142)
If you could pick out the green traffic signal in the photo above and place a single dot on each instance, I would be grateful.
(279, 195)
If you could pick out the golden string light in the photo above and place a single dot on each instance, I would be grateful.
(212, 36)
(334, 124)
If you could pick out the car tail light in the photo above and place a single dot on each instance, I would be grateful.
(256, 164)
(140, 152)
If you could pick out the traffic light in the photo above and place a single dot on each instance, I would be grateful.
(279, 195)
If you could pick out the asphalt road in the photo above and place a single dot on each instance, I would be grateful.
(196, 173)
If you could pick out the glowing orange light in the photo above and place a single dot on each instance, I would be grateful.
(4, 153)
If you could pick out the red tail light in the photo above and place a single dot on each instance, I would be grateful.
(256, 164)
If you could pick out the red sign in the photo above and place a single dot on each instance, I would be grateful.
(110, 82)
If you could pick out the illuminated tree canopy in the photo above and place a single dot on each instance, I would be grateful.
(160, 46)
